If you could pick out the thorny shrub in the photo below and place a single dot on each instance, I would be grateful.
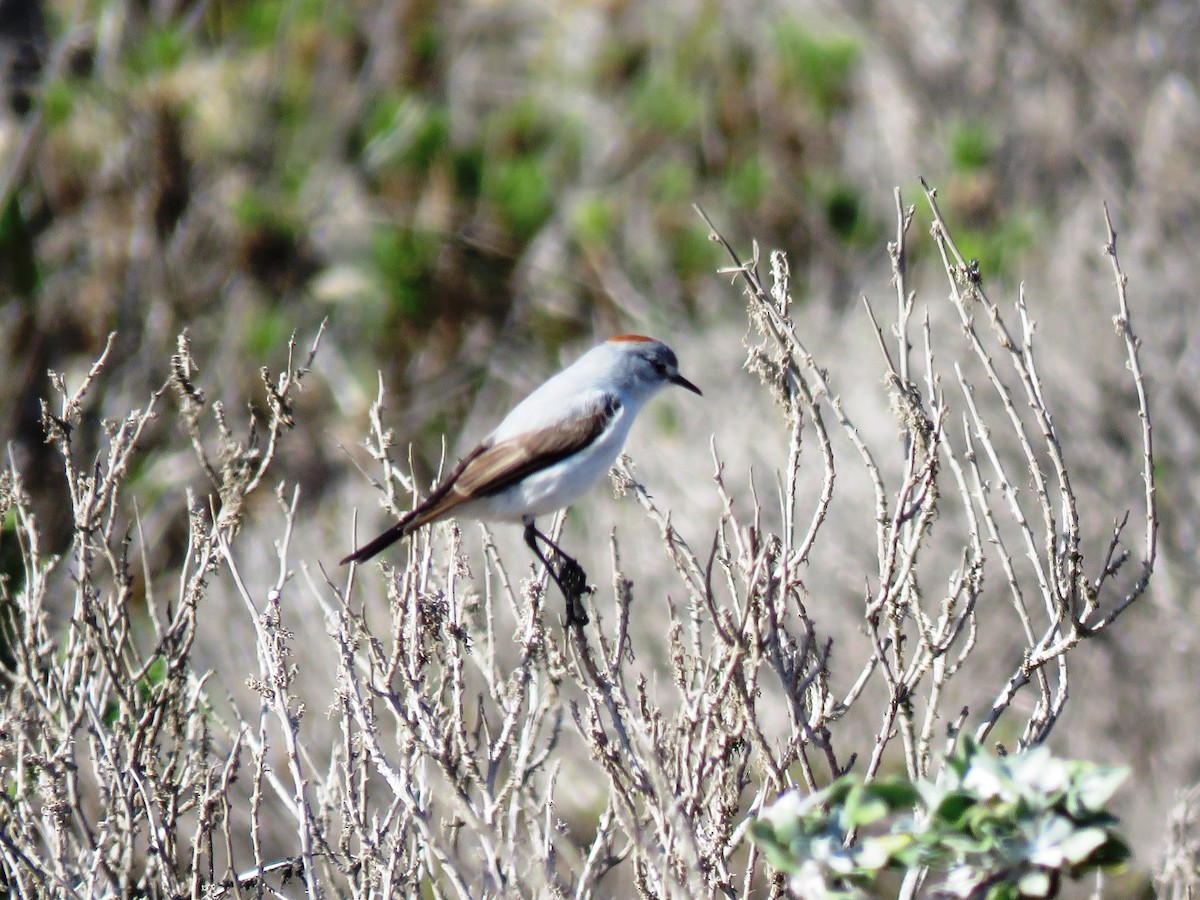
(129, 768)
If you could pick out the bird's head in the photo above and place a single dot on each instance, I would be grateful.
(643, 365)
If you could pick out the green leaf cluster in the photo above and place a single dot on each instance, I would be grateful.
(994, 827)
(972, 146)
(820, 66)
(807, 837)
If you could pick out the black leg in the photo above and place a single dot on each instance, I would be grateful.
(567, 574)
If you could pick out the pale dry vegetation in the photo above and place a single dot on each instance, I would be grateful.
(468, 195)
(461, 740)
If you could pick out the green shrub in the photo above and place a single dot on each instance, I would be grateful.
(993, 827)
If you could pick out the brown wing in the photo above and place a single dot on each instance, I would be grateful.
(490, 468)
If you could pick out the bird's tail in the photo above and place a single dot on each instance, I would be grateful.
(385, 540)
(437, 505)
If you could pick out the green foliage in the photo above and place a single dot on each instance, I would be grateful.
(467, 166)
(674, 183)
(747, 182)
(285, 104)
(1029, 817)
(692, 253)
(155, 675)
(844, 213)
(521, 191)
(404, 260)
(663, 103)
(262, 23)
(268, 218)
(999, 828)
(160, 49)
(593, 220)
(818, 67)
(257, 21)
(998, 247)
(425, 45)
(525, 126)
(265, 330)
(12, 578)
(407, 131)
(19, 271)
(58, 101)
(807, 836)
(972, 145)
(254, 209)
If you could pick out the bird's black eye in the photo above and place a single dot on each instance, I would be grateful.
(659, 368)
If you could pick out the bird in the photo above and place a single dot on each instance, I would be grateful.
(548, 451)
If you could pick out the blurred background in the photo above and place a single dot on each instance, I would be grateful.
(472, 192)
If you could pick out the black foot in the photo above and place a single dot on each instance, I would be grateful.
(571, 577)
(572, 581)
(566, 572)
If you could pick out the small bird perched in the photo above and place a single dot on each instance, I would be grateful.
(552, 448)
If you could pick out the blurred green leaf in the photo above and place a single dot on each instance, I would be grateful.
(407, 131)
(18, 259)
(662, 103)
(972, 145)
(674, 183)
(593, 220)
(258, 20)
(155, 675)
(783, 820)
(953, 807)
(1112, 854)
(896, 792)
(999, 248)
(425, 45)
(521, 191)
(817, 66)
(843, 212)
(110, 714)
(159, 49)
(862, 807)
(58, 101)
(467, 166)
(746, 183)
(523, 128)
(254, 209)
(267, 330)
(882, 850)
(429, 139)
(998, 827)
(264, 23)
(405, 260)
(692, 253)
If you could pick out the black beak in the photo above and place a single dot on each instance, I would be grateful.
(684, 383)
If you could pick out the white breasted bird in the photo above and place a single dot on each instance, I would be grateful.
(552, 448)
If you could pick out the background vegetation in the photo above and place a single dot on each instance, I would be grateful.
(468, 194)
